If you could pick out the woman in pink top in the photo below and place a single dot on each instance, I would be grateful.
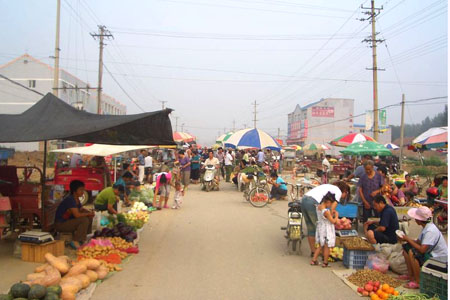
(163, 189)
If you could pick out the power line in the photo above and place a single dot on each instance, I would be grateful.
(123, 90)
(21, 85)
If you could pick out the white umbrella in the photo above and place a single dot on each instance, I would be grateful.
(101, 149)
(391, 146)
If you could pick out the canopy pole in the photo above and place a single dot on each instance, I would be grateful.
(115, 168)
(44, 175)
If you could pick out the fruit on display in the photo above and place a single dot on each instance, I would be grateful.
(138, 206)
(377, 291)
(337, 252)
(357, 243)
(99, 251)
(362, 277)
(343, 224)
(19, 290)
(36, 291)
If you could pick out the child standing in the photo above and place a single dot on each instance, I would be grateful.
(325, 234)
(179, 193)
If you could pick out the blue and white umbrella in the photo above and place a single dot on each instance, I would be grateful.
(391, 146)
(252, 138)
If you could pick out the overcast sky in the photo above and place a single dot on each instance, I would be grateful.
(211, 59)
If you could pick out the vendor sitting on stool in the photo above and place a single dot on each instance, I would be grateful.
(279, 187)
(431, 243)
(107, 199)
(72, 217)
(384, 232)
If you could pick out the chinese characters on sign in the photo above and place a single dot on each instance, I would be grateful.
(323, 111)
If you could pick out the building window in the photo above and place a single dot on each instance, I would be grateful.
(31, 83)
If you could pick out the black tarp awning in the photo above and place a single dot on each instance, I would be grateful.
(53, 119)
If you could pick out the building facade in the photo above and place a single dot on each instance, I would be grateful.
(321, 121)
(38, 76)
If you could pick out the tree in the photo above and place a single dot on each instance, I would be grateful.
(439, 120)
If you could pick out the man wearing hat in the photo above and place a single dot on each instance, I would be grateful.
(430, 243)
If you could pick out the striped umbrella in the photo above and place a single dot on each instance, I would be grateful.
(316, 147)
(433, 138)
(183, 137)
(295, 147)
(252, 138)
(348, 139)
(391, 146)
(224, 137)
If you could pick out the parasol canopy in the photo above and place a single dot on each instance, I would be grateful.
(433, 138)
(348, 139)
(224, 137)
(316, 147)
(366, 148)
(295, 147)
(183, 137)
(101, 149)
(391, 146)
(252, 138)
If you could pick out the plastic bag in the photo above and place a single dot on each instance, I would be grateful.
(397, 263)
(96, 221)
(377, 262)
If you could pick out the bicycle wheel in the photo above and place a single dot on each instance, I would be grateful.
(258, 197)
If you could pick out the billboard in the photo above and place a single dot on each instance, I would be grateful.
(294, 130)
(323, 111)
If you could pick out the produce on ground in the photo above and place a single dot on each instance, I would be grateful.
(361, 277)
(412, 297)
(357, 243)
(337, 252)
(99, 251)
(120, 230)
(138, 206)
(377, 291)
(343, 224)
(36, 291)
(119, 243)
(136, 219)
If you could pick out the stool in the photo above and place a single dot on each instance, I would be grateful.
(66, 236)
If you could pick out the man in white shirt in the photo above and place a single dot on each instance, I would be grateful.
(326, 168)
(76, 160)
(228, 165)
(260, 157)
(340, 190)
(148, 167)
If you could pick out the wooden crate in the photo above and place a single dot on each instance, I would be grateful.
(35, 253)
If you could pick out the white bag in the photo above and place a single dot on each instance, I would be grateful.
(96, 221)
(397, 263)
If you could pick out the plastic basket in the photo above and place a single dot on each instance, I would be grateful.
(432, 283)
(356, 259)
(350, 210)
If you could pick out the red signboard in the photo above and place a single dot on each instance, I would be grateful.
(323, 111)
(294, 132)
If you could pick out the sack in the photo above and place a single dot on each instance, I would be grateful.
(377, 262)
(96, 221)
(397, 263)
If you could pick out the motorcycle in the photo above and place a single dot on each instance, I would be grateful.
(440, 218)
(294, 228)
(208, 179)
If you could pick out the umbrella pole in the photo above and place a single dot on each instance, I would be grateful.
(44, 176)
(115, 168)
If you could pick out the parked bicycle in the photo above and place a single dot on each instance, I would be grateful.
(257, 190)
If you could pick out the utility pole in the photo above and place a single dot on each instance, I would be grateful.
(182, 127)
(103, 32)
(163, 104)
(278, 136)
(402, 131)
(254, 114)
(234, 125)
(57, 50)
(373, 13)
(176, 123)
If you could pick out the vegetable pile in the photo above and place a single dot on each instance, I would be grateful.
(138, 206)
(412, 297)
(344, 223)
(361, 277)
(357, 243)
(59, 278)
(120, 230)
(337, 253)
(136, 219)
(376, 291)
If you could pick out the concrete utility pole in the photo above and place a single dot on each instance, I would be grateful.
(278, 136)
(373, 13)
(176, 123)
(103, 32)
(163, 104)
(57, 50)
(402, 131)
(254, 114)
(234, 125)
(182, 127)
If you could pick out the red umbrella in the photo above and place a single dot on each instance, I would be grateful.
(346, 140)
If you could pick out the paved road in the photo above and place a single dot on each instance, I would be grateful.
(220, 247)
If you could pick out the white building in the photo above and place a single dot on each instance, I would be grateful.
(38, 76)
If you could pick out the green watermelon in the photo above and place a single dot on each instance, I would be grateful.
(56, 289)
(51, 296)
(20, 290)
(37, 291)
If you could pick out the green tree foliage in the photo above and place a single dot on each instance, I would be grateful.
(413, 130)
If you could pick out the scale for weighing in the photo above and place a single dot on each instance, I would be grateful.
(346, 233)
(35, 237)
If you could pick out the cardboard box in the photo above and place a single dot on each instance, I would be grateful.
(35, 252)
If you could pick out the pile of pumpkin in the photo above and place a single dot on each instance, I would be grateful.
(70, 276)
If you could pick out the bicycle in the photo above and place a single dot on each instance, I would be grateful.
(258, 194)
